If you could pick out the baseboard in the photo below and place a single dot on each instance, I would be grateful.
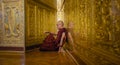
(11, 48)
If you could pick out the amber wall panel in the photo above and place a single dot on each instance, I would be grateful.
(39, 18)
(96, 30)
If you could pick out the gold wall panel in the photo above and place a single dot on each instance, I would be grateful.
(50, 3)
(39, 18)
(96, 30)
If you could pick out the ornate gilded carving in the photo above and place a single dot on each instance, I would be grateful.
(105, 24)
(96, 26)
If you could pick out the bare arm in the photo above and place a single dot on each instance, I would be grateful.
(61, 41)
(50, 33)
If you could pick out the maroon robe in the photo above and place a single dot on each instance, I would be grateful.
(52, 44)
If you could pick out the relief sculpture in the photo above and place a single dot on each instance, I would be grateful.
(11, 21)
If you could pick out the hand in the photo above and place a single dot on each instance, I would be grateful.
(61, 49)
(46, 32)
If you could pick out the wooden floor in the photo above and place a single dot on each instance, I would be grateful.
(35, 57)
(48, 58)
(12, 58)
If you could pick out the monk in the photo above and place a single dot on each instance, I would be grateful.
(55, 44)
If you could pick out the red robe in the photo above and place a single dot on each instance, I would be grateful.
(50, 43)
